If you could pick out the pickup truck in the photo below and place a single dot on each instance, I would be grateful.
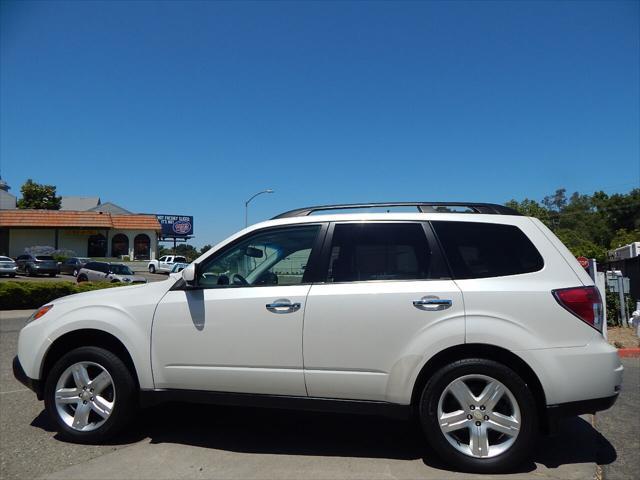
(165, 263)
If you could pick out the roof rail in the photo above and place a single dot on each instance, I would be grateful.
(424, 207)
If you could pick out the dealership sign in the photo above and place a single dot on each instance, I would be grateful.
(176, 225)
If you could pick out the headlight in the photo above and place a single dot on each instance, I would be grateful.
(39, 313)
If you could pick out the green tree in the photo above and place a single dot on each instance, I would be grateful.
(581, 246)
(206, 248)
(622, 237)
(188, 251)
(36, 195)
(531, 208)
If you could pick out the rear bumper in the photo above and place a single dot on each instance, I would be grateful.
(580, 408)
(30, 383)
(571, 409)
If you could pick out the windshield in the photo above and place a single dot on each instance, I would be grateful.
(44, 257)
(84, 260)
(120, 270)
(5, 259)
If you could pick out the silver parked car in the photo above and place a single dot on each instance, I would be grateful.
(7, 266)
(108, 272)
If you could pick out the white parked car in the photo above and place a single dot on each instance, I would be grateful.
(482, 323)
(165, 263)
(7, 266)
(108, 272)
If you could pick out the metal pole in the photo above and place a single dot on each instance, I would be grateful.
(623, 306)
(246, 206)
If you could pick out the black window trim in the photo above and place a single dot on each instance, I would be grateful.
(436, 252)
(310, 273)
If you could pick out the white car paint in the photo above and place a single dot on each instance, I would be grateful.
(362, 340)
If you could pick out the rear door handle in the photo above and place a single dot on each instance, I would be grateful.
(432, 303)
(282, 306)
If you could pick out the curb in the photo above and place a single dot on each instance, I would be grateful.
(629, 352)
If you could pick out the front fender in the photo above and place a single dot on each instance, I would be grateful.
(123, 312)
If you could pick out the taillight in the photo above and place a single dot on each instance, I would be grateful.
(584, 302)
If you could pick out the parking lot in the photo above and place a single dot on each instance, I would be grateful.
(139, 268)
(195, 441)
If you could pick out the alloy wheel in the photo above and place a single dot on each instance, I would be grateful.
(85, 396)
(479, 416)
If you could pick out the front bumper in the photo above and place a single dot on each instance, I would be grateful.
(35, 385)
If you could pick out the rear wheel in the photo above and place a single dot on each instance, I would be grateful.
(479, 416)
(75, 272)
(152, 269)
(90, 395)
(82, 278)
(29, 272)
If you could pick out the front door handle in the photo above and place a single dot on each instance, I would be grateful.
(432, 303)
(282, 306)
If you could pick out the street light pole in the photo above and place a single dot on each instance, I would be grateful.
(246, 206)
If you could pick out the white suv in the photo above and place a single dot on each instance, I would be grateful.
(471, 316)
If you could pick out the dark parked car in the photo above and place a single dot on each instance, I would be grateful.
(71, 266)
(37, 265)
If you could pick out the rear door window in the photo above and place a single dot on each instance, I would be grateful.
(379, 251)
(482, 250)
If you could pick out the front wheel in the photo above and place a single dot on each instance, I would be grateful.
(479, 416)
(90, 395)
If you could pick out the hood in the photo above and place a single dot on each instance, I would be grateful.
(115, 295)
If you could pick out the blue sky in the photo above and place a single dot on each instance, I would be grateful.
(191, 107)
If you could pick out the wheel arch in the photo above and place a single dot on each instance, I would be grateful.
(488, 352)
(87, 337)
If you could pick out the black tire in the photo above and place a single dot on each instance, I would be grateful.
(82, 278)
(503, 462)
(125, 394)
(29, 272)
(75, 272)
(152, 269)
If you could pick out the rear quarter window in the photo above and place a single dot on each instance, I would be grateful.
(482, 250)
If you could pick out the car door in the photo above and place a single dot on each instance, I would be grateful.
(386, 297)
(20, 262)
(166, 265)
(239, 329)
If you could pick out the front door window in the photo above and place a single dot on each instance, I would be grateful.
(273, 257)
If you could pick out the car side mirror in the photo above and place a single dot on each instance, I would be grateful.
(189, 274)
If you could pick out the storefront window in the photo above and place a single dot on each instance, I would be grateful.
(97, 246)
(142, 247)
(119, 245)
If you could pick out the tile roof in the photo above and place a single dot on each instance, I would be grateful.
(66, 218)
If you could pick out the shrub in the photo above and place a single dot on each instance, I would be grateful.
(613, 307)
(20, 295)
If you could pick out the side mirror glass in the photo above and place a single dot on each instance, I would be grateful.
(189, 273)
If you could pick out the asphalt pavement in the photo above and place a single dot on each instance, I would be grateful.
(197, 441)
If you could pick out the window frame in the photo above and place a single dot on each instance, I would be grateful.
(310, 272)
(437, 256)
